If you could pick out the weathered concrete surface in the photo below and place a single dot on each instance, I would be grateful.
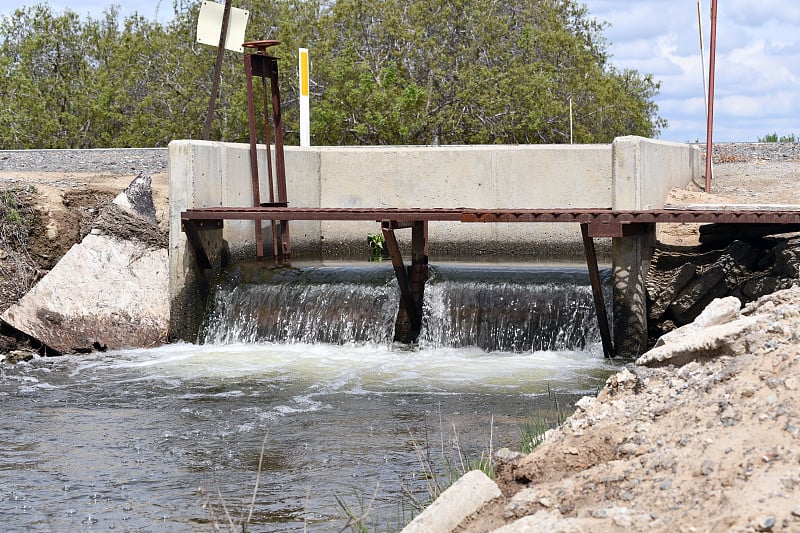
(208, 174)
(466, 496)
(108, 292)
(644, 171)
(638, 170)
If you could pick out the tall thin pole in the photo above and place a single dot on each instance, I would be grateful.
(305, 129)
(212, 103)
(710, 121)
(702, 56)
(570, 120)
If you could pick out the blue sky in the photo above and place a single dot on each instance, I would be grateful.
(758, 58)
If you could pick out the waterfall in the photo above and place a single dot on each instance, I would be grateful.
(507, 309)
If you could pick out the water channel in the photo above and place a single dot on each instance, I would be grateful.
(155, 439)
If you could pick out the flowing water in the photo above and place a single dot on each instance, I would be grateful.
(156, 439)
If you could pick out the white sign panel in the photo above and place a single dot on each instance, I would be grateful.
(209, 25)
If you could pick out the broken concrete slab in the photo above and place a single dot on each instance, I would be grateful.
(108, 292)
(712, 341)
(466, 496)
(104, 294)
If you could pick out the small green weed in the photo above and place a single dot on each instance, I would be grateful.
(377, 246)
(774, 138)
(532, 434)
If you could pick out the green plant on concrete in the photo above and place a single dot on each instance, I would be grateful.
(377, 246)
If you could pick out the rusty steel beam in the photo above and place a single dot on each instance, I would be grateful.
(249, 71)
(409, 317)
(602, 221)
(396, 215)
(265, 66)
(192, 230)
(597, 292)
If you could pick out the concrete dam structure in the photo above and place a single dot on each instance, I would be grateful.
(633, 173)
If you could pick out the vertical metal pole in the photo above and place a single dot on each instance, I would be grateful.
(710, 119)
(267, 141)
(409, 321)
(251, 115)
(597, 292)
(418, 272)
(305, 126)
(212, 103)
(280, 166)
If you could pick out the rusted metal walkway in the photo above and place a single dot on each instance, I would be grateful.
(593, 223)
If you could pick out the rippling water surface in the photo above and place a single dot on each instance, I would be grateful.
(140, 440)
(158, 439)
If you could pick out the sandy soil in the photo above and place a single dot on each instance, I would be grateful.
(713, 445)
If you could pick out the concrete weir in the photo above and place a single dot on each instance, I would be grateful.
(632, 173)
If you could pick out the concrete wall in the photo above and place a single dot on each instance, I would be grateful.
(413, 176)
(643, 173)
(633, 173)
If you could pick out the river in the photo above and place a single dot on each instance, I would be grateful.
(167, 439)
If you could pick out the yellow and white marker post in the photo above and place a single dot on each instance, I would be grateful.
(305, 133)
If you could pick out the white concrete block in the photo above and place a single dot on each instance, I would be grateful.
(469, 494)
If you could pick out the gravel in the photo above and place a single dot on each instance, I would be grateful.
(103, 161)
(744, 152)
(154, 160)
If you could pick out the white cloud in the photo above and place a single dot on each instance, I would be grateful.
(757, 62)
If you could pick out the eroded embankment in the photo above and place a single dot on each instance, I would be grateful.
(707, 440)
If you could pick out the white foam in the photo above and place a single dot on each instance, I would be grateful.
(357, 368)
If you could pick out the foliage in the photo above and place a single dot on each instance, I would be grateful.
(383, 72)
(773, 138)
(17, 222)
(377, 246)
(532, 434)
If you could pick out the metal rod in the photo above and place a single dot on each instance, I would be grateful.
(406, 294)
(280, 166)
(267, 142)
(418, 271)
(597, 292)
(710, 121)
(248, 70)
(212, 103)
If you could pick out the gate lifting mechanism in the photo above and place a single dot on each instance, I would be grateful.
(259, 63)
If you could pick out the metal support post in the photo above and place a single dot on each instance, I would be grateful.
(265, 66)
(597, 291)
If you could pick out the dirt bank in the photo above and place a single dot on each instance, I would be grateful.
(712, 444)
(51, 199)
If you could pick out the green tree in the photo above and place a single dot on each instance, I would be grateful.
(468, 71)
(383, 72)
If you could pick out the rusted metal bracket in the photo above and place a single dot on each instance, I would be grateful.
(411, 280)
(597, 291)
(615, 228)
(265, 66)
(192, 230)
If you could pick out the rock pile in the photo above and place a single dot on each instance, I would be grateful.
(682, 280)
(702, 442)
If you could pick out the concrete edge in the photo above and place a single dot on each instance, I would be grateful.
(466, 496)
